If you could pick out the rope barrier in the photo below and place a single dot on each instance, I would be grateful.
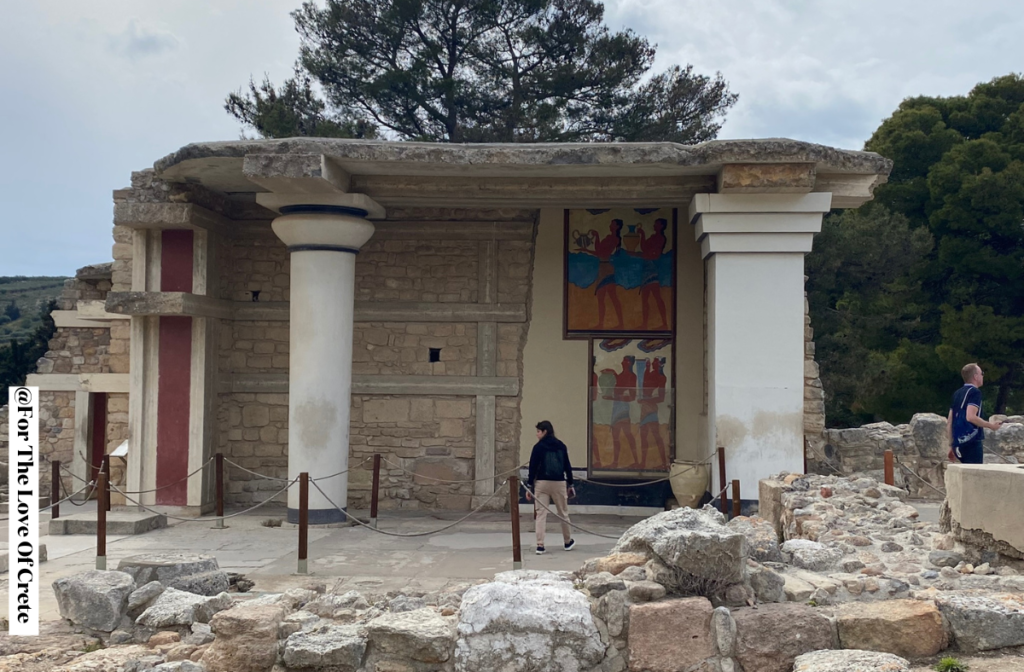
(411, 534)
(52, 504)
(565, 520)
(193, 520)
(690, 467)
(324, 478)
(254, 473)
(915, 475)
(85, 500)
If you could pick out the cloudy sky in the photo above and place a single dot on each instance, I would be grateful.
(93, 89)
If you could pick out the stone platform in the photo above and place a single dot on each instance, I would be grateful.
(5, 558)
(118, 523)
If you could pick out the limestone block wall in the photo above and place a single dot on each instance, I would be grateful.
(921, 446)
(417, 263)
(814, 394)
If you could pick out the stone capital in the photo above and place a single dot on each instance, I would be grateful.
(338, 231)
(757, 222)
(279, 202)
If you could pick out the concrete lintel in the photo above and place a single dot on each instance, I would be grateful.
(171, 216)
(463, 386)
(72, 319)
(409, 311)
(756, 242)
(765, 178)
(79, 382)
(167, 303)
(296, 173)
(758, 203)
(790, 222)
(568, 192)
(849, 191)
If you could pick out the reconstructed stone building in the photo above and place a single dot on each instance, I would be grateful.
(302, 304)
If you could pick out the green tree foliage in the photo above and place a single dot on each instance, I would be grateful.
(18, 358)
(479, 71)
(957, 179)
(866, 302)
(12, 312)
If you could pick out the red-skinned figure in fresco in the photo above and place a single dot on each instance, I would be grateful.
(651, 249)
(652, 395)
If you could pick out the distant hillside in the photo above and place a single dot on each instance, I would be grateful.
(29, 295)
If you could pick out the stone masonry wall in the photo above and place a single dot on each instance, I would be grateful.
(420, 437)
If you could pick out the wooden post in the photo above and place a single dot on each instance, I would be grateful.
(513, 502)
(722, 482)
(889, 479)
(105, 468)
(303, 522)
(736, 501)
(101, 520)
(375, 493)
(54, 489)
(218, 464)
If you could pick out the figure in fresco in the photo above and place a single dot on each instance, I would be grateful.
(651, 249)
(604, 249)
(623, 394)
(652, 395)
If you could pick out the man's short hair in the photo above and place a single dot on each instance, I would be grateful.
(970, 371)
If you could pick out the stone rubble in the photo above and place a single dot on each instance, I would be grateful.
(840, 575)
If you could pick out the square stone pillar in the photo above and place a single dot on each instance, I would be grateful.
(754, 247)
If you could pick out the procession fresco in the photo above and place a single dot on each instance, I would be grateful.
(631, 405)
(619, 271)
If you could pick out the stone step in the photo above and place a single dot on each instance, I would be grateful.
(44, 501)
(5, 562)
(118, 523)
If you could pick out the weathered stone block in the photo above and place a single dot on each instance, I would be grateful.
(246, 639)
(255, 415)
(769, 638)
(422, 635)
(527, 622)
(386, 410)
(670, 635)
(850, 661)
(984, 622)
(333, 647)
(95, 599)
(907, 628)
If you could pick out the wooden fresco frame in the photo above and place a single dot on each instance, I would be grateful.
(582, 334)
(592, 336)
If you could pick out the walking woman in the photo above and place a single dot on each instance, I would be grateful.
(550, 480)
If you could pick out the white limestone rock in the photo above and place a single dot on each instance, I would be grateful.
(850, 660)
(693, 542)
(984, 622)
(339, 647)
(527, 623)
(422, 635)
(94, 599)
(810, 555)
(176, 608)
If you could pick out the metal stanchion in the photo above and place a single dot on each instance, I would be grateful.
(219, 475)
(736, 502)
(375, 493)
(105, 468)
(889, 478)
(722, 482)
(103, 493)
(303, 522)
(55, 489)
(513, 500)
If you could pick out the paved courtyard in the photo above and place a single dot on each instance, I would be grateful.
(356, 557)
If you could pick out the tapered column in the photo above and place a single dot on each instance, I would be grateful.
(754, 247)
(323, 241)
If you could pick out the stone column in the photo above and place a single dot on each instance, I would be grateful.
(754, 247)
(323, 241)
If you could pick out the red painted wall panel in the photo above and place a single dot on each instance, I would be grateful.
(176, 261)
(99, 432)
(175, 358)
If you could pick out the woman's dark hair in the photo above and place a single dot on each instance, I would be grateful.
(545, 426)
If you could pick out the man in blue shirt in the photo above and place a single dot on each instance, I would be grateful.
(964, 425)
